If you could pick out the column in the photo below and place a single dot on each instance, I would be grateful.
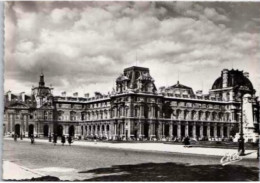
(208, 130)
(105, 129)
(129, 129)
(85, 130)
(13, 122)
(179, 130)
(140, 129)
(228, 130)
(187, 129)
(115, 129)
(159, 131)
(215, 130)
(221, 130)
(150, 133)
(170, 130)
(194, 130)
(9, 123)
(27, 125)
(111, 130)
(51, 129)
(163, 130)
(201, 130)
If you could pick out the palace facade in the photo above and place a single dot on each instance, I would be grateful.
(136, 109)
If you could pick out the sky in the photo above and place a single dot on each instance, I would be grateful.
(84, 46)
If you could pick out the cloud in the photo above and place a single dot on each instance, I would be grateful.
(84, 46)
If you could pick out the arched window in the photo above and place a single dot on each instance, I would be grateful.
(121, 110)
(186, 114)
(178, 114)
(45, 114)
(207, 116)
(126, 111)
(60, 113)
(200, 115)
(213, 116)
(136, 111)
(193, 115)
(72, 115)
(82, 116)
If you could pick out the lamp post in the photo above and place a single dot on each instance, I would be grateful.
(241, 140)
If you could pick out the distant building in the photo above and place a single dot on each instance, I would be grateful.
(135, 110)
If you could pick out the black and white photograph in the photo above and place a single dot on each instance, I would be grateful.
(146, 91)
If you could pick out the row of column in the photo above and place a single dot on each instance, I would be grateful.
(157, 130)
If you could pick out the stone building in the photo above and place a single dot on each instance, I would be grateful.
(136, 109)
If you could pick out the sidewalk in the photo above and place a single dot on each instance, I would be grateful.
(12, 171)
(159, 147)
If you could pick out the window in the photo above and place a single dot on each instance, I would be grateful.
(72, 116)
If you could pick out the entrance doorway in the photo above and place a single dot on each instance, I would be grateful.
(71, 131)
(17, 129)
(46, 130)
(59, 130)
(31, 130)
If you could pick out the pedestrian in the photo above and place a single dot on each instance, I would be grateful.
(21, 136)
(50, 138)
(32, 139)
(69, 140)
(55, 139)
(63, 140)
(15, 137)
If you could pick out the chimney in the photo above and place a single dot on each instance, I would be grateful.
(75, 94)
(23, 96)
(63, 94)
(246, 74)
(9, 93)
(224, 78)
(86, 95)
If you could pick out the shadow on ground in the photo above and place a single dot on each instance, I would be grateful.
(174, 172)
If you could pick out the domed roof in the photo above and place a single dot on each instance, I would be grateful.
(234, 78)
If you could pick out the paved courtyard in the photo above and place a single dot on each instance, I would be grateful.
(99, 162)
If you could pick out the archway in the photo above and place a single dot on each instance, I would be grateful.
(71, 131)
(17, 129)
(31, 130)
(59, 130)
(45, 130)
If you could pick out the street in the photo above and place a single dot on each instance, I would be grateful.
(106, 164)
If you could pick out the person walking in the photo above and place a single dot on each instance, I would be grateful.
(21, 136)
(15, 137)
(69, 140)
(63, 140)
(32, 139)
(50, 138)
(55, 139)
